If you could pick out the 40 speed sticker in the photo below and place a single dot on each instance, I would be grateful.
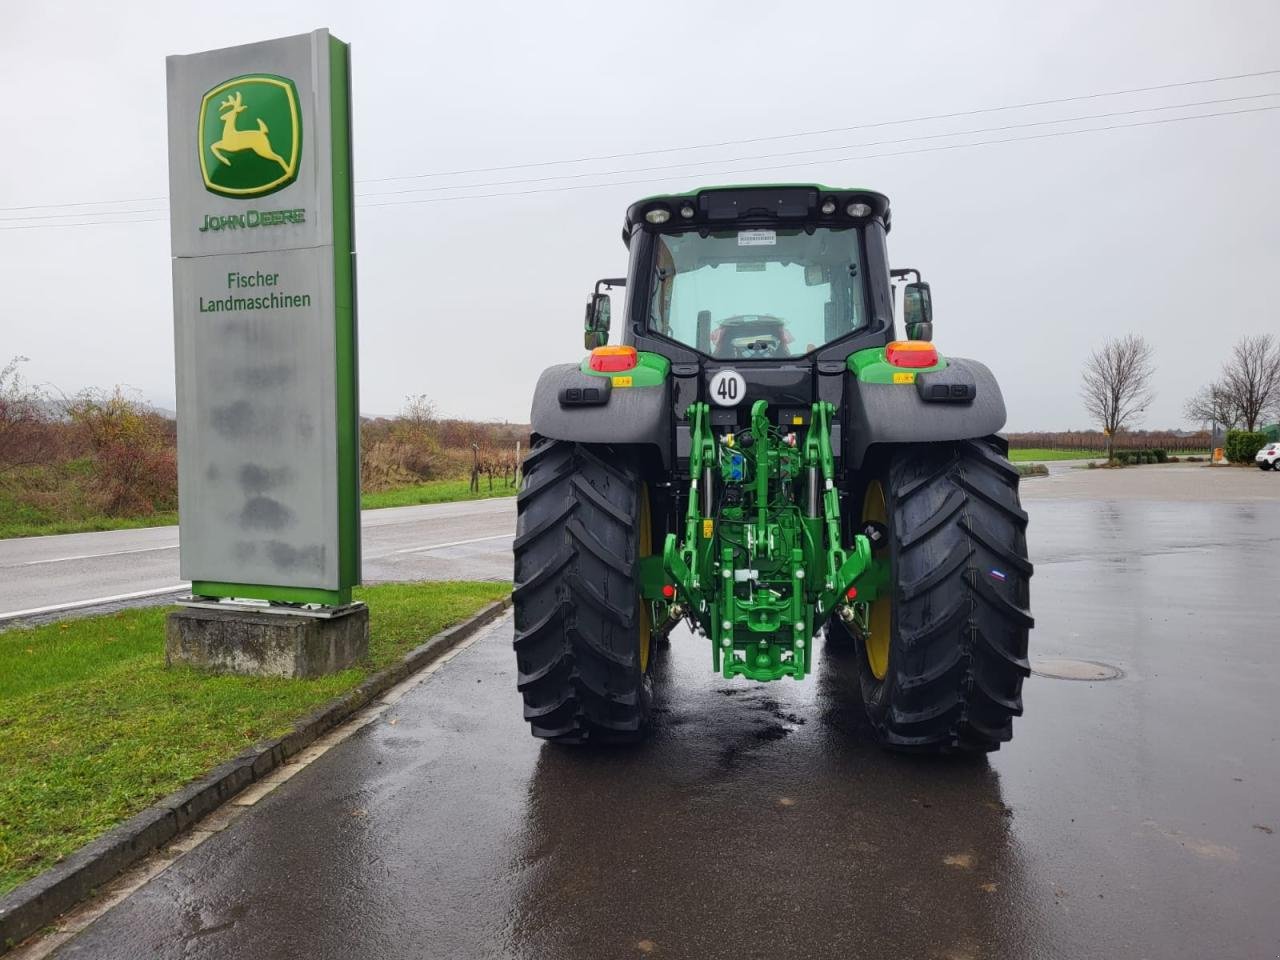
(728, 388)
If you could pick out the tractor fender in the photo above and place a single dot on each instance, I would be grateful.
(614, 415)
(882, 413)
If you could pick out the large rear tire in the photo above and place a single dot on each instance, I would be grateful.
(942, 663)
(582, 631)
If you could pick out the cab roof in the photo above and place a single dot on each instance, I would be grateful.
(755, 203)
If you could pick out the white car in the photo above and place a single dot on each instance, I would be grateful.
(1268, 456)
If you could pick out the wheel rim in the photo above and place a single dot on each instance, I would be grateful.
(880, 619)
(645, 549)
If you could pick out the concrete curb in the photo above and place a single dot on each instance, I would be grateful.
(44, 898)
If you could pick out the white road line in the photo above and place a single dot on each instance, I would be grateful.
(88, 556)
(439, 546)
(76, 605)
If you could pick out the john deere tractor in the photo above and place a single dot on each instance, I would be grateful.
(762, 458)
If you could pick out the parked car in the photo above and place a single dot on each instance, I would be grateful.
(1268, 456)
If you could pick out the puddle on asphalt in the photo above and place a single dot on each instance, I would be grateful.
(1060, 668)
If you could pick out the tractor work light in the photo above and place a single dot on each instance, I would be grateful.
(612, 359)
(686, 211)
(658, 215)
(858, 209)
(911, 353)
(828, 206)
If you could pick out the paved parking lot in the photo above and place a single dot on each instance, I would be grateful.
(1136, 817)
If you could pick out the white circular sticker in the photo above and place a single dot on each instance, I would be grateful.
(728, 388)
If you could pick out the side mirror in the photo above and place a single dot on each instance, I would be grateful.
(596, 326)
(917, 311)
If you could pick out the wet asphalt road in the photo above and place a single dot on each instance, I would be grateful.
(1130, 818)
(468, 540)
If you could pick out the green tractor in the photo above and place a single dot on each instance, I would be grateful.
(761, 458)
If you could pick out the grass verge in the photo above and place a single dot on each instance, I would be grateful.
(434, 491)
(18, 519)
(94, 727)
(1027, 454)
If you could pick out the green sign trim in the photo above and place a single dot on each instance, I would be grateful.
(348, 388)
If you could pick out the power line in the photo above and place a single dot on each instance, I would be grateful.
(834, 160)
(85, 203)
(87, 223)
(82, 213)
(725, 143)
(814, 133)
(724, 160)
(802, 163)
(812, 150)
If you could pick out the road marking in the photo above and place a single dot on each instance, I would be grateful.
(77, 604)
(440, 546)
(88, 556)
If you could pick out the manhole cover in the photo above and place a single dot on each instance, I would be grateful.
(1062, 669)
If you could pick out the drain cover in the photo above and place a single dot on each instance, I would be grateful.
(1062, 669)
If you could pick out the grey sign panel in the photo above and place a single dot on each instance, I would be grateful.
(264, 325)
(257, 455)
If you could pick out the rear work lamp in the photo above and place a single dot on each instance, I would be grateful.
(911, 353)
(612, 359)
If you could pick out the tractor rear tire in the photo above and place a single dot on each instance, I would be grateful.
(582, 631)
(952, 661)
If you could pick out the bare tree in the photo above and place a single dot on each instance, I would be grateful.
(1252, 378)
(1213, 403)
(1117, 384)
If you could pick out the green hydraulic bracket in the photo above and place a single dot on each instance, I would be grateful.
(758, 571)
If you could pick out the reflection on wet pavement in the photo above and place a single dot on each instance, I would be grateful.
(1128, 818)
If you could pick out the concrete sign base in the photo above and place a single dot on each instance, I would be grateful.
(271, 644)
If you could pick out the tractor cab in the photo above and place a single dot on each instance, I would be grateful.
(786, 280)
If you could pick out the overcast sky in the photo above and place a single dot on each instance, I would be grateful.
(1037, 251)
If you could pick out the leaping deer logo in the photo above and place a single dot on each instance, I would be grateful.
(233, 139)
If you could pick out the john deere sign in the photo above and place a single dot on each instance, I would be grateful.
(264, 319)
(250, 136)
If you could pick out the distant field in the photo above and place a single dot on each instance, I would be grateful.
(22, 520)
(435, 491)
(59, 498)
(1027, 454)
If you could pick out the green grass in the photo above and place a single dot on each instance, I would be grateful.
(26, 527)
(58, 498)
(435, 491)
(94, 727)
(1034, 453)
(21, 519)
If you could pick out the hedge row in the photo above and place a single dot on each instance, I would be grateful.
(1243, 445)
(1127, 457)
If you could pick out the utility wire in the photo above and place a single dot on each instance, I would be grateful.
(814, 133)
(724, 160)
(738, 170)
(726, 143)
(834, 160)
(813, 150)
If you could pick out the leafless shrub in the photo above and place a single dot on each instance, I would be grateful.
(135, 461)
(26, 437)
(1214, 403)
